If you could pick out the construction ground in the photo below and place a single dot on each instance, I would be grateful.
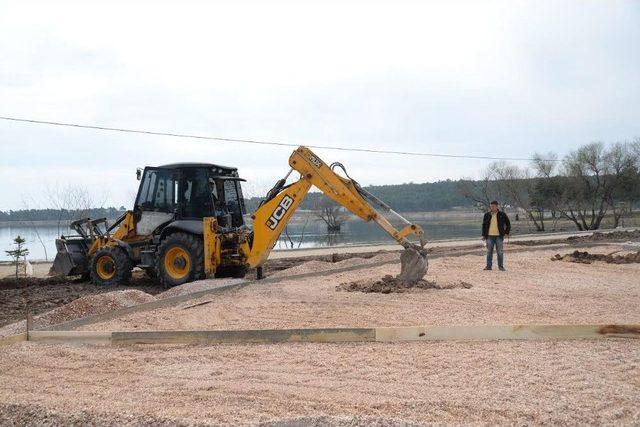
(544, 381)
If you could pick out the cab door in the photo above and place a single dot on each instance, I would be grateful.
(157, 199)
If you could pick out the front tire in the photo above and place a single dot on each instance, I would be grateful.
(110, 266)
(180, 259)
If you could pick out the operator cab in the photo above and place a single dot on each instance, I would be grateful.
(189, 191)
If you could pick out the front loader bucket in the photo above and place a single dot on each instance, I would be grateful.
(71, 258)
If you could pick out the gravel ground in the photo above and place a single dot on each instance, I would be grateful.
(534, 289)
(471, 383)
(508, 382)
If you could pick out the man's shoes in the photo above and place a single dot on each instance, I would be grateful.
(502, 269)
(487, 268)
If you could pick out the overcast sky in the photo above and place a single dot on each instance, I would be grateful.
(482, 78)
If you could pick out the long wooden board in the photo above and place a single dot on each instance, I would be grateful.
(505, 332)
(262, 336)
(82, 337)
(342, 335)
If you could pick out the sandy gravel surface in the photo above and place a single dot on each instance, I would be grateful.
(557, 382)
(533, 290)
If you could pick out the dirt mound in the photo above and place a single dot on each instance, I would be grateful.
(587, 258)
(84, 306)
(389, 284)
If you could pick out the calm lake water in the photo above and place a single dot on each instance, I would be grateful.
(314, 234)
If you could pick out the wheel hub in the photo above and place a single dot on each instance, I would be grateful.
(108, 267)
(179, 262)
(105, 267)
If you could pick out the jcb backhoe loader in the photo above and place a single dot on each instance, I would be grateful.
(187, 223)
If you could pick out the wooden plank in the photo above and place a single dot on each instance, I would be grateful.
(12, 339)
(75, 337)
(336, 335)
(505, 332)
(263, 336)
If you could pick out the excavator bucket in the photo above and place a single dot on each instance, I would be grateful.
(413, 265)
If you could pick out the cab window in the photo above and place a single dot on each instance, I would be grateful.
(157, 191)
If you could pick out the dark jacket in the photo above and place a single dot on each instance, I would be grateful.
(504, 225)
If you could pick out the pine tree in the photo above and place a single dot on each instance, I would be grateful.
(19, 252)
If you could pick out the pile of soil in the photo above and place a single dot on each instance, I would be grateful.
(389, 284)
(587, 258)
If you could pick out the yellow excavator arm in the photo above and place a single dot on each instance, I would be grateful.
(282, 201)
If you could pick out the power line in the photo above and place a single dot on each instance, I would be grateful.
(251, 141)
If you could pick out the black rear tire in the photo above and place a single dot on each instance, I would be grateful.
(180, 259)
(110, 266)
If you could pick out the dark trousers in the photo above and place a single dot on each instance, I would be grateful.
(497, 242)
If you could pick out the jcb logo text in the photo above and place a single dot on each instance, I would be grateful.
(279, 212)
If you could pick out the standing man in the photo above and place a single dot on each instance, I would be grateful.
(495, 226)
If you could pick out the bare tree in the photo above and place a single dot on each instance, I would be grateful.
(517, 185)
(625, 186)
(548, 192)
(34, 226)
(59, 200)
(304, 228)
(588, 184)
(330, 212)
(481, 192)
(72, 202)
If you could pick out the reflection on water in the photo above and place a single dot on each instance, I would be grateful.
(313, 234)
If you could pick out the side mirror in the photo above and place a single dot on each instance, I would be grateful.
(139, 174)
